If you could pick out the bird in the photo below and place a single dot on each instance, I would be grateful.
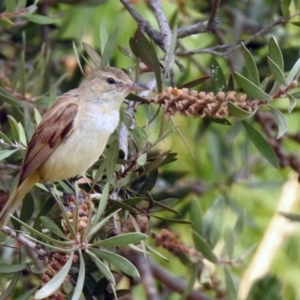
(73, 133)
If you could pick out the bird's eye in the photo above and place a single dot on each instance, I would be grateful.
(110, 80)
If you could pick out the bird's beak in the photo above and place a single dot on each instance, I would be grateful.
(136, 87)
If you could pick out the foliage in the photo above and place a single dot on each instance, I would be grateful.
(189, 183)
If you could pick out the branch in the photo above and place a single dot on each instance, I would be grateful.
(225, 54)
(23, 240)
(174, 283)
(144, 25)
(163, 23)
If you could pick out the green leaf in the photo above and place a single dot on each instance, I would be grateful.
(281, 122)
(11, 287)
(97, 226)
(11, 5)
(229, 241)
(121, 240)
(219, 82)
(10, 99)
(291, 216)
(22, 135)
(176, 221)
(120, 204)
(11, 268)
(103, 36)
(144, 50)
(165, 205)
(111, 159)
(52, 227)
(56, 281)
(293, 103)
(294, 73)
(27, 294)
(28, 209)
(80, 279)
(231, 291)
(142, 159)
(170, 52)
(239, 113)
(102, 203)
(277, 72)
(149, 182)
(262, 145)
(4, 139)
(275, 53)
(109, 48)
(193, 274)
(6, 23)
(39, 19)
(204, 248)
(95, 57)
(195, 82)
(125, 51)
(195, 213)
(250, 66)
(102, 267)
(285, 10)
(6, 153)
(140, 137)
(14, 128)
(37, 116)
(250, 88)
(77, 58)
(120, 262)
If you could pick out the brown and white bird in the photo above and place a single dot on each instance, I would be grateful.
(73, 133)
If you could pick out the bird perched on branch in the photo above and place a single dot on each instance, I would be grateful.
(73, 133)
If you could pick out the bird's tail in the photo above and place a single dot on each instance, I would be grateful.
(16, 197)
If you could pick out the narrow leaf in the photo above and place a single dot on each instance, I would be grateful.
(262, 145)
(170, 54)
(250, 88)
(144, 50)
(103, 36)
(293, 103)
(231, 291)
(195, 213)
(80, 279)
(102, 267)
(121, 240)
(10, 288)
(102, 203)
(52, 227)
(43, 20)
(239, 113)
(277, 72)
(117, 260)
(10, 268)
(250, 66)
(275, 53)
(281, 122)
(95, 57)
(219, 82)
(109, 48)
(294, 73)
(6, 153)
(204, 248)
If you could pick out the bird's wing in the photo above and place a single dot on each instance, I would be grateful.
(56, 125)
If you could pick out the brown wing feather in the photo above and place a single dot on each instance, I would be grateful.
(47, 137)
